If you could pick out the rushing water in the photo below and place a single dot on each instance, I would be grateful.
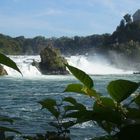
(19, 98)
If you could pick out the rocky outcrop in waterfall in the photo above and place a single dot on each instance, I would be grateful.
(2, 71)
(51, 62)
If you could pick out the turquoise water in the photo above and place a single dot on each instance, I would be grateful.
(19, 99)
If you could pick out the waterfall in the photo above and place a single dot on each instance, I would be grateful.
(91, 65)
(24, 64)
(95, 65)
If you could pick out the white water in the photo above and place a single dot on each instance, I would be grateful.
(91, 65)
(95, 65)
(24, 64)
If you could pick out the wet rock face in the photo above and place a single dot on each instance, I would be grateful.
(51, 62)
(2, 71)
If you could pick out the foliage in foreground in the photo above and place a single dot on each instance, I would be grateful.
(8, 62)
(118, 113)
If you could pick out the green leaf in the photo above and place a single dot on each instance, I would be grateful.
(54, 124)
(91, 93)
(70, 100)
(133, 113)
(80, 75)
(129, 132)
(105, 109)
(68, 124)
(50, 105)
(6, 119)
(47, 102)
(83, 116)
(8, 62)
(76, 106)
(5, 129)
(137, 100)
(121, 89)
(104, 138)
(104, 104)
(74, 88)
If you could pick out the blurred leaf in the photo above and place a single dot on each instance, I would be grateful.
(5, 129)
(107, 126)
(70, 100)
(54, 124)
(6, 119)
(10, 138)
(74, 88)
(91, 92)
(104, 104)
(68, 124)
(80, 75)
(8, 62)
(105, 138)
(76, 106)
(105, 109)
(50, 105)
(137, 100)
(133, 113)
(129, 132)
(47, 103)
(121, 89)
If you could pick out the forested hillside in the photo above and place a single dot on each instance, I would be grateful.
(124, 41)
(68, 46)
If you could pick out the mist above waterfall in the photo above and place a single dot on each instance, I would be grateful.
(95, 64)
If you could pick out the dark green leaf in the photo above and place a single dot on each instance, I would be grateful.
(50, 105)
(91, 93)
(121, 89)
(8, 62)
(104, 104)
(107, 126)
(133, 113)
(74, 88)
(76, 106)
(80, 75)
(129, 132)
(68, 124)
(137, 100)
(54, 125)
(6, 119)
(70, 100)
(105, 138)
(5, 129)
(105, 110)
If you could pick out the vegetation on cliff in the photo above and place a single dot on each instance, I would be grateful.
(124, 41)
(52, 62)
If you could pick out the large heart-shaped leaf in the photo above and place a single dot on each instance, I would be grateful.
(121, 89)
(80, 75)
(8, 62)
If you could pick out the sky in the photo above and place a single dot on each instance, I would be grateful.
(56, 18)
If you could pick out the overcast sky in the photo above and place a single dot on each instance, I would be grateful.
(55, 18)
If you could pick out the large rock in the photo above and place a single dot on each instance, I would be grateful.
(51, 62)
(2, 71)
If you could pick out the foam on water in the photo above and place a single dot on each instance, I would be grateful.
(95, 65)
(24, 64)
(91, 65)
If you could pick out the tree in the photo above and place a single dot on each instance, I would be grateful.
(127, 18)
